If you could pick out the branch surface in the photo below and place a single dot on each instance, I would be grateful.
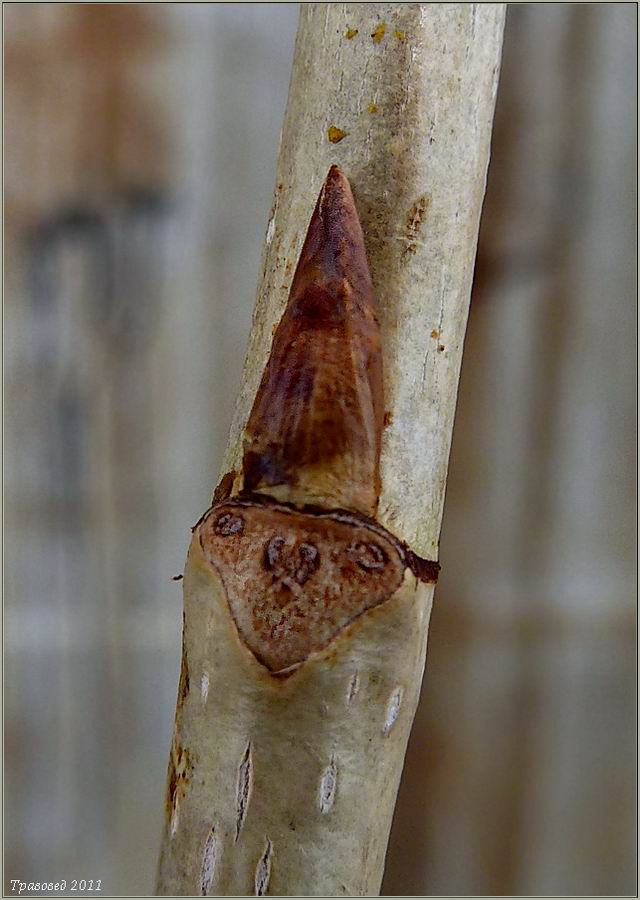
(290, 738)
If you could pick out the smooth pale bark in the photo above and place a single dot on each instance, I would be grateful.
(287, 785)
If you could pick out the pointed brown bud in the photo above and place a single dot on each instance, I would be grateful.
(314, 432)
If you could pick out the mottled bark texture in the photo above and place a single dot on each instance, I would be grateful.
(289, 744)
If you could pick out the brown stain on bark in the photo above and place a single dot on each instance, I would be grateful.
(179, 775)
(172, 784)
(183, 685)
(413, 223)
(335, 134)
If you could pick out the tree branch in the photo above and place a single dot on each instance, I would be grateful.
(283, 780)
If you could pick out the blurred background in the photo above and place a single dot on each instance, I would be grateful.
(140, 150)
